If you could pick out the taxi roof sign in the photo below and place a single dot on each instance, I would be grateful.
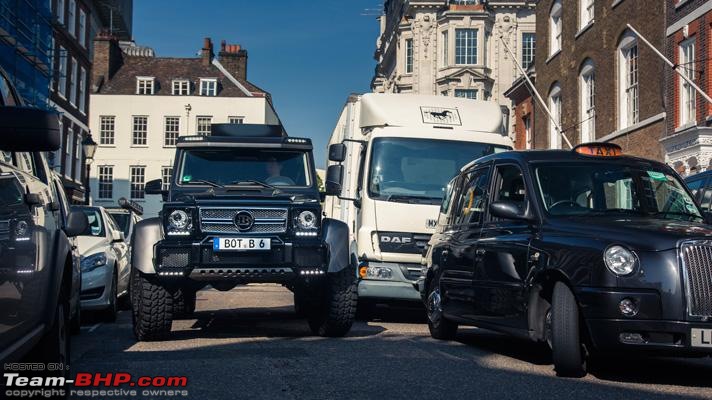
(599, 149)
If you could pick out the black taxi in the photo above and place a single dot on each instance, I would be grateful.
(589, 250)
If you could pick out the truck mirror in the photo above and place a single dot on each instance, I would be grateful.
(337, 152)
(154, 187)
(334, 176)
(28, 129)
(77, 223)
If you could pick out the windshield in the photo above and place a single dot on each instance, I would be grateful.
(611, 188)
(96, 225)
(245, 166)
(123, 220)
(417, 170)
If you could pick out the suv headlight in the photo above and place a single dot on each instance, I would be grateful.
(21, 230)
(306, 220)
(620, 260)
(179, 222)
(93, 262)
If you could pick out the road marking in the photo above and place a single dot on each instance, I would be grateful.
(93, 328)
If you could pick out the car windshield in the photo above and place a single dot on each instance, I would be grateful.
(123, 220)
(234, 166)
(417, 170)
(612, 188)
(96, 225)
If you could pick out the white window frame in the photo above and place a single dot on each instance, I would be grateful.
(62, 84)
(139, 131)
(208, 87)
(166, 176)
(688, 96)
(628, 81)
(171, 130)
(555, 109)
(105, 182)
(82, 28)
(107, 130)
(467, 44)
(527, 120)
(82, 90)
(201, 128)
(180, 87)
(60, 11)
(555, 28)
(145, 85)
(78, 158)
(586, 13)
(466, 93)
(73, 82)
(587, 101)
(72, 18)
(409, 56)
(235, 119)
(137, 182)
(68, 147)
(528, 51)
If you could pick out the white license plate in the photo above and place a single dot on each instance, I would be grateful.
(221, 244)
(701, 337)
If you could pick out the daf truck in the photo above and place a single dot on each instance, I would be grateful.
(391, 157)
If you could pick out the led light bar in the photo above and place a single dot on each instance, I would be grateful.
(178, 233)
(306, 233)
(311, 272)
(171, 273)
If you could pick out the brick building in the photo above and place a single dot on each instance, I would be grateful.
(688, 140)
(598, 79)
(523, 110)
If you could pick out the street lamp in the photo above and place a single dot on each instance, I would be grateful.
(89, 146)
(187, 118)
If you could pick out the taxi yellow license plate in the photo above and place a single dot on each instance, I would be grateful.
(226, 244)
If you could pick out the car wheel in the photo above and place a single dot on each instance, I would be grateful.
(440, 327)
(336, 313)
(567, 350)
(153, 308)
(109, 315)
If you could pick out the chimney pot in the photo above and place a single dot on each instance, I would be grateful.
(222, 45)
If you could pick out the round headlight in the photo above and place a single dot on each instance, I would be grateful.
(619, 260)
(21, 228)
(179, 219)
(306, 220)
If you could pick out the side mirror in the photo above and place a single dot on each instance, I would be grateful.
(337, 152)
(28, 129)
(334, 176)
(33, 199)
(508, 210)
(77, 223)
(117, 236)
(154, 187)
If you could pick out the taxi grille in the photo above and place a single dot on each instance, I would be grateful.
(220, 220)
(696, 259)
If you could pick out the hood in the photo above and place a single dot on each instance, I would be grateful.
(89, 245)
(405, 217)
(251, 194)
(641, 233)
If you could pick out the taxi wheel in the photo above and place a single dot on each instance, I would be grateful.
(567, 350)
(439, 327)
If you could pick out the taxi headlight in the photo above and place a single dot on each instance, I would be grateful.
(306, 220)
(620, 260)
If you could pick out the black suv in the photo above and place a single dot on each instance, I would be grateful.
(39, 264)
(588, 250)
(242, 207)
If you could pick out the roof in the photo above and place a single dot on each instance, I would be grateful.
(165, 70)
(529, 156)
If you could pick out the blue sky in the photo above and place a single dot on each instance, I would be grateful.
(308, 54)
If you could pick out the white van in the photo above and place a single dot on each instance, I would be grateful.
(393, 154)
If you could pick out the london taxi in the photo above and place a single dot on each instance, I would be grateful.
(588, 250)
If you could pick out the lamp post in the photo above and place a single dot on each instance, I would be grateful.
(89, 147)
(187, 118)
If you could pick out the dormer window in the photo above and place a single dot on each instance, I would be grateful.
(208, 87)
(144, 85)
(181, 87)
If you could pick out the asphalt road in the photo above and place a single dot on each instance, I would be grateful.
(248, 343)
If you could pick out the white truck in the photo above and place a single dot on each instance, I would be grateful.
(392, 155)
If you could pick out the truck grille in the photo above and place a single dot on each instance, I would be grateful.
(221, 220)
(696, 259)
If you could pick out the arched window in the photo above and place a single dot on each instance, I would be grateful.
(555, 27)
(628, 90)
(587, 101)
(555, 109)
(585, 13)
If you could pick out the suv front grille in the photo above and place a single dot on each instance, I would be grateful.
(696, 259)
(220, 220)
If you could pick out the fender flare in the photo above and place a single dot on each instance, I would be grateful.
(336, 237)
(146, 234)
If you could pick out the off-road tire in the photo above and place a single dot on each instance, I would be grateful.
(567, 351)
(153, 308)
(440, 327)
(335, 314)
(183, 303)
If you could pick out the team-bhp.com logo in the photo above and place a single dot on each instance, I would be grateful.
(120, 384)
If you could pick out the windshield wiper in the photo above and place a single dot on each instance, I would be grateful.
(684, 214)
(254, 182)
(401, 198)
(210, 183)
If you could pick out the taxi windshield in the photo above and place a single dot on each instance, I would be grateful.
(610, 188)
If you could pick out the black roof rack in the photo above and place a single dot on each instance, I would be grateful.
(131, 206)
(247, 130)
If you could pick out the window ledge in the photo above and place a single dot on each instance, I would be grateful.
(111, 146)
(584, 29)
(632, 128)
(685, 126)
(551, 57)
(680, 3)
(139, 145)
(616, 3)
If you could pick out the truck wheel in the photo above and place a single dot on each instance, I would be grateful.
(183, 303)
(153, 312)
(440, 328)
(565, 333)
(336, 313)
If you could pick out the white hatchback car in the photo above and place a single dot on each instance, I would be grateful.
(104, 263)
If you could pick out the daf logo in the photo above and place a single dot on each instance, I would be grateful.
(396, 239)
(431, 223)
(244, 221)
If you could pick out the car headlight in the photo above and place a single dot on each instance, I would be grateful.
(93, 262)
(619, 260)
(306, 220)
(21, 230)
(179, 222)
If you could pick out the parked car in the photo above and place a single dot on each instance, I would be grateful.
(105, 263)
(126, 215)
(701, 187)
(587, 250)
(39, 268)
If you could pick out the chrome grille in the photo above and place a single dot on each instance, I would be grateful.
(220, 220)
(696, 259)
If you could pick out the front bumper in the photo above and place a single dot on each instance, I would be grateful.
(96, 286)
(284, 262)
(398, 287)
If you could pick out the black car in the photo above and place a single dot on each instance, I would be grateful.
(588, 250)
(242, 207)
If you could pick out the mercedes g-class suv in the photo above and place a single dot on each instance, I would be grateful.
(242, 207)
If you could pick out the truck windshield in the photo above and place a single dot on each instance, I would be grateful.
(417, 170)
(233, 166)
(611, 188)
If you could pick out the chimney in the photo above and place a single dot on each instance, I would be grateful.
(206, 54)
(234, 58)
(107, 58)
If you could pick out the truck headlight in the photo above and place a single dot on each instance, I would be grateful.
(93, 262)
(306, 220)
(180, 223)
(620, 260)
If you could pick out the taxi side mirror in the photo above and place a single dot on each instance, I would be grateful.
(508, 210)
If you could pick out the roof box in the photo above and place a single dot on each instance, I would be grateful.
(247, 130)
